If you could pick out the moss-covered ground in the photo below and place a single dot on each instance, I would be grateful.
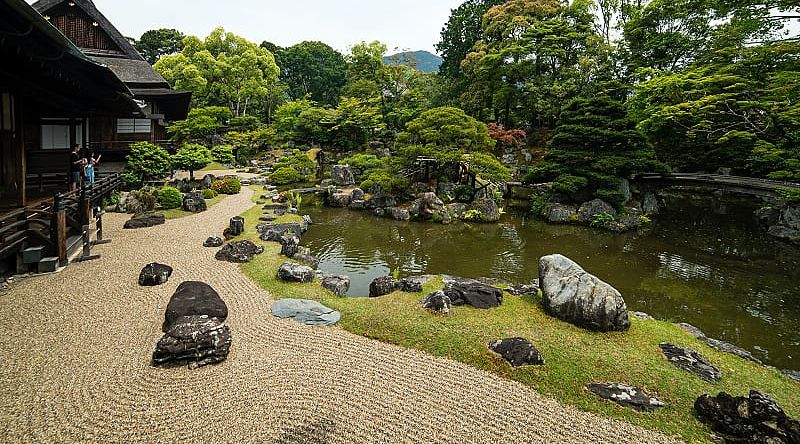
(573, 356)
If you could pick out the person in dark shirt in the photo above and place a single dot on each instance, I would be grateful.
(75, 167)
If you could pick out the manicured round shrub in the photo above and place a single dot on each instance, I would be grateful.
(229, 185)
(170, 197)
(285, 176)
(209, 194)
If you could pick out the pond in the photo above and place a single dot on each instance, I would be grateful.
(711, 267)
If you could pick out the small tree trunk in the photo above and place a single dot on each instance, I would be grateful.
(191, 175)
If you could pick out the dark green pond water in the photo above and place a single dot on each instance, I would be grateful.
(711, 267)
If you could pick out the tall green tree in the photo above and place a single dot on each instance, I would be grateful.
(224, 69)
(314, 69)
(462, 30)
(154, 44)
(192, 157)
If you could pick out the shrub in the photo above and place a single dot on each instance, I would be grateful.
(192, 157)
(209, 194)
(170, 197)
(602, 220)
(539, 203)
(473, 215)
(385, 181)
(285, 175)
(140, 201)
(463, 193)
(223, 154)
(146, 161)
(789, 195)
(230, 185)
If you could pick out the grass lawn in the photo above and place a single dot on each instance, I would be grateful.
(214, 166)
(573, 356)
(177, 213)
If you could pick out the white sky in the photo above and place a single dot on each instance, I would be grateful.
(402, 24)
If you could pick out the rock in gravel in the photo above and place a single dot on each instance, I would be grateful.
(438, 302)
(144, 220)
(575, 296)
(154, 274)
(239, 252)
(691, 361)
(338, 285)
(235, 227)
(305, 311)
(381, 286)
(477, 294)
(291, 272)
(194, 298)
(718, 344)
(626, 396)
(194, 202)
(213, 241)
(195, 341)
(516, 351)
(754, 419)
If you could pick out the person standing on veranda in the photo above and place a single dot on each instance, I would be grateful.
(75, 168)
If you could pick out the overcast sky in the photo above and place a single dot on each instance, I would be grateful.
(404, 24)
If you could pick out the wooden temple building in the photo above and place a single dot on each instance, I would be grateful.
(67, 77)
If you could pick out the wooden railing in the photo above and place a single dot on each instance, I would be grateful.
(52, 222)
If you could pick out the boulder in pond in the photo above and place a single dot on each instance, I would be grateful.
(144, 220)
(488, 209)
(340, 200)
(291, 272)
(381, 201)
(304, 256)
(559, 213)
(381, 286)
(474, 293)
(338, 285)
(296, 228)
(626, 396)
(575, 296)
(194, 202)
(239, 252)
(289, 244)
(154, 274)
(305, 311)
(194, 298)
(307, 220)
(516, 351)
(357, 194)
(691, 361)
(438, 302)
(342, 175)
(195, 340)
(426, 206)
(754, 419)
(589, 210)
(358, 205)
(213, 241)
(398, 213)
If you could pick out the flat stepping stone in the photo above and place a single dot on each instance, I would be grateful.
(626, 396)
(517, 351)
(306, 311)
(691, 361)
(717, 344)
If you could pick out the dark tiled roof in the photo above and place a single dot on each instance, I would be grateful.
(133, 71)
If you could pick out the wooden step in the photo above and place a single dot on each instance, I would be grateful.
(47, 265)
(32, 255)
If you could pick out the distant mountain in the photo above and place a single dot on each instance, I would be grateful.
(421, 60)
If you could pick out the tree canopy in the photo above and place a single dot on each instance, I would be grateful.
(154, 44)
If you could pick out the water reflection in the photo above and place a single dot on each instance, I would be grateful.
(710, 268)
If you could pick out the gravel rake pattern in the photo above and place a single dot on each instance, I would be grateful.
(75, 365)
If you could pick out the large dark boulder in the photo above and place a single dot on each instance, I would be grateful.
(413, 284)
(194, 298)
(289, 245)
(426, 206)
(575, 296)
(357, 194)
(235, 227)
(195, 341)
(144, 220)
(338, 285)
(154, 274)
(626, 396)
(517, 351)
(438, 302)
(239, 252)
(194, 202)
(589, 210)
(754, 419)
(398, 213)
(489, 211)
(381, 201)
(340, 200)
(691, 361)
(273, 232)
(381, 286)
(304, 256)
(474, 293)
(560, 213)
(342, 175)
(290, 272)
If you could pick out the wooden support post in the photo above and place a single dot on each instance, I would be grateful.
(22, 166)
(85, 204)
(58, 228)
